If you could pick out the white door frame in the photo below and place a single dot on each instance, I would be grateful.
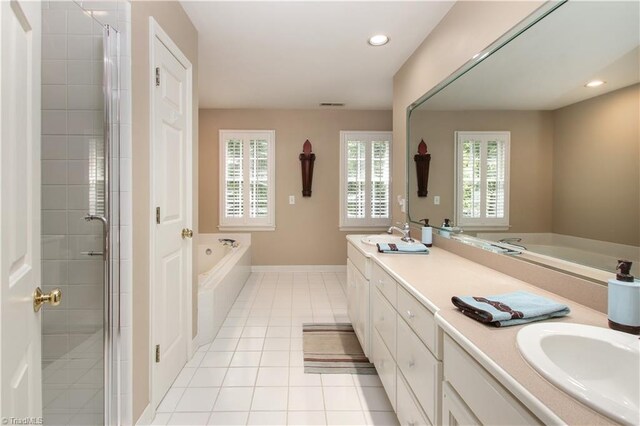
(156, 32)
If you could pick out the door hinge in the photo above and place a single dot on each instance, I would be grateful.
(157, 353)
(157, 76)
(158, 215)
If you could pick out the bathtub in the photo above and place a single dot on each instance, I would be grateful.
(597, 254)
(222, 272)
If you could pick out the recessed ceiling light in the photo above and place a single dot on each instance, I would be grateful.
(378, 40)
(595, 83)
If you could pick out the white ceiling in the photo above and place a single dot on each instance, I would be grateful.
(272, 54)
(547, 66)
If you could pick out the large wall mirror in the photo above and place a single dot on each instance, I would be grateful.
(536, 141)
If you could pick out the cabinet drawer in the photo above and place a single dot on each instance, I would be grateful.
(359, 260)
(421, 369)
(454, 411)
(419, 318)
(409, 413)
(385, 365)
(386, 284)
(384, 320)
(486, 398)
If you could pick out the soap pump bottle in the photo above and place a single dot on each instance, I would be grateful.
(624, 300)
(446, 228)
(427, 233)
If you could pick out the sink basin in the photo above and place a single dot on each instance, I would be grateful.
(598, 366)
(372, 240)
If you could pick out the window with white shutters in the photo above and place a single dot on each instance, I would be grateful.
(247, 179)
(482, 179)
(365, 179)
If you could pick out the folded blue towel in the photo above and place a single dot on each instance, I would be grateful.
(406, 248)
(507, 309)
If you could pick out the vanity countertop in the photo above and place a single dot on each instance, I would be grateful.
(435, 278)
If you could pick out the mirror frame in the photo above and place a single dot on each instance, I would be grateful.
(478, 58)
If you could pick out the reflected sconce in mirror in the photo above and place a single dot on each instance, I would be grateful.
(422, 159)
(307, 158)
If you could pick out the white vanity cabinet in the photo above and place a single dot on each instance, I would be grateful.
(358, 296)
(473, 396)
(403, 333)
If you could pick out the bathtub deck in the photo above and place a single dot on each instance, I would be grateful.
(253, 372)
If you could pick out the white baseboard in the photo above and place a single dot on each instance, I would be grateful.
(146, 417)
(298, 268)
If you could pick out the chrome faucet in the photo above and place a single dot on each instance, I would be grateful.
(512, 241)
(405, 231)
(228, 242)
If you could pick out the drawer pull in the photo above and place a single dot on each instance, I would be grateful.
(411, 424)
(412, 364)
(411, 315)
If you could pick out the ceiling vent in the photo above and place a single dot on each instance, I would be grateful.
(331, 104)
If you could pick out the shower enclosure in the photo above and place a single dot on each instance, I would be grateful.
(80, 215)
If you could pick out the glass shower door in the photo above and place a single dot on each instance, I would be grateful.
(79, 167)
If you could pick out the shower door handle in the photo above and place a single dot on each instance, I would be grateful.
(91, 217)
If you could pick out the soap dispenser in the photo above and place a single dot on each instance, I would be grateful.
(427, 233)
(446, 228)
(624, 300)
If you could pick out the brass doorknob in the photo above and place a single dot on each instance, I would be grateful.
(187, 233)
(39, 298)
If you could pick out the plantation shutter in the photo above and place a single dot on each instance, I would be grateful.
(247, 171)
(356, 179)
(258, 178)
(365, 179)
(380, 179)
(482, 170)
(471, 178)
(233, 196)
(495, 187)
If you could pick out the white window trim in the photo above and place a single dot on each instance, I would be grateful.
(245, 223)
(367, 224)
(486, 224)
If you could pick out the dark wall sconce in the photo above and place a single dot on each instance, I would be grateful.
(422, 159)
(307, 158)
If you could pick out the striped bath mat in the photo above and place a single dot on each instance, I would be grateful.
(333, 349)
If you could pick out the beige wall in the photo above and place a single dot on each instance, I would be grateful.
(469, 27)
(177, 25)
(598, 137)
(530, 172)
(307, 232)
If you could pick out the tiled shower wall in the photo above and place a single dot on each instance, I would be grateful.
(72, 123)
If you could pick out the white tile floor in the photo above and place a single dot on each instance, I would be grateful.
(253, 371)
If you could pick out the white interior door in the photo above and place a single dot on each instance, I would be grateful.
(20, 269)
(171, 188)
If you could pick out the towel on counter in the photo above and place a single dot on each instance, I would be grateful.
(410, 248)
(507, 309)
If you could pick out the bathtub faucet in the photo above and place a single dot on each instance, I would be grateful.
(228, 242)
(512, 241)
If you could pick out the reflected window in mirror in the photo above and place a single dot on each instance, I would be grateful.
(482, 180)
(365, 179)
